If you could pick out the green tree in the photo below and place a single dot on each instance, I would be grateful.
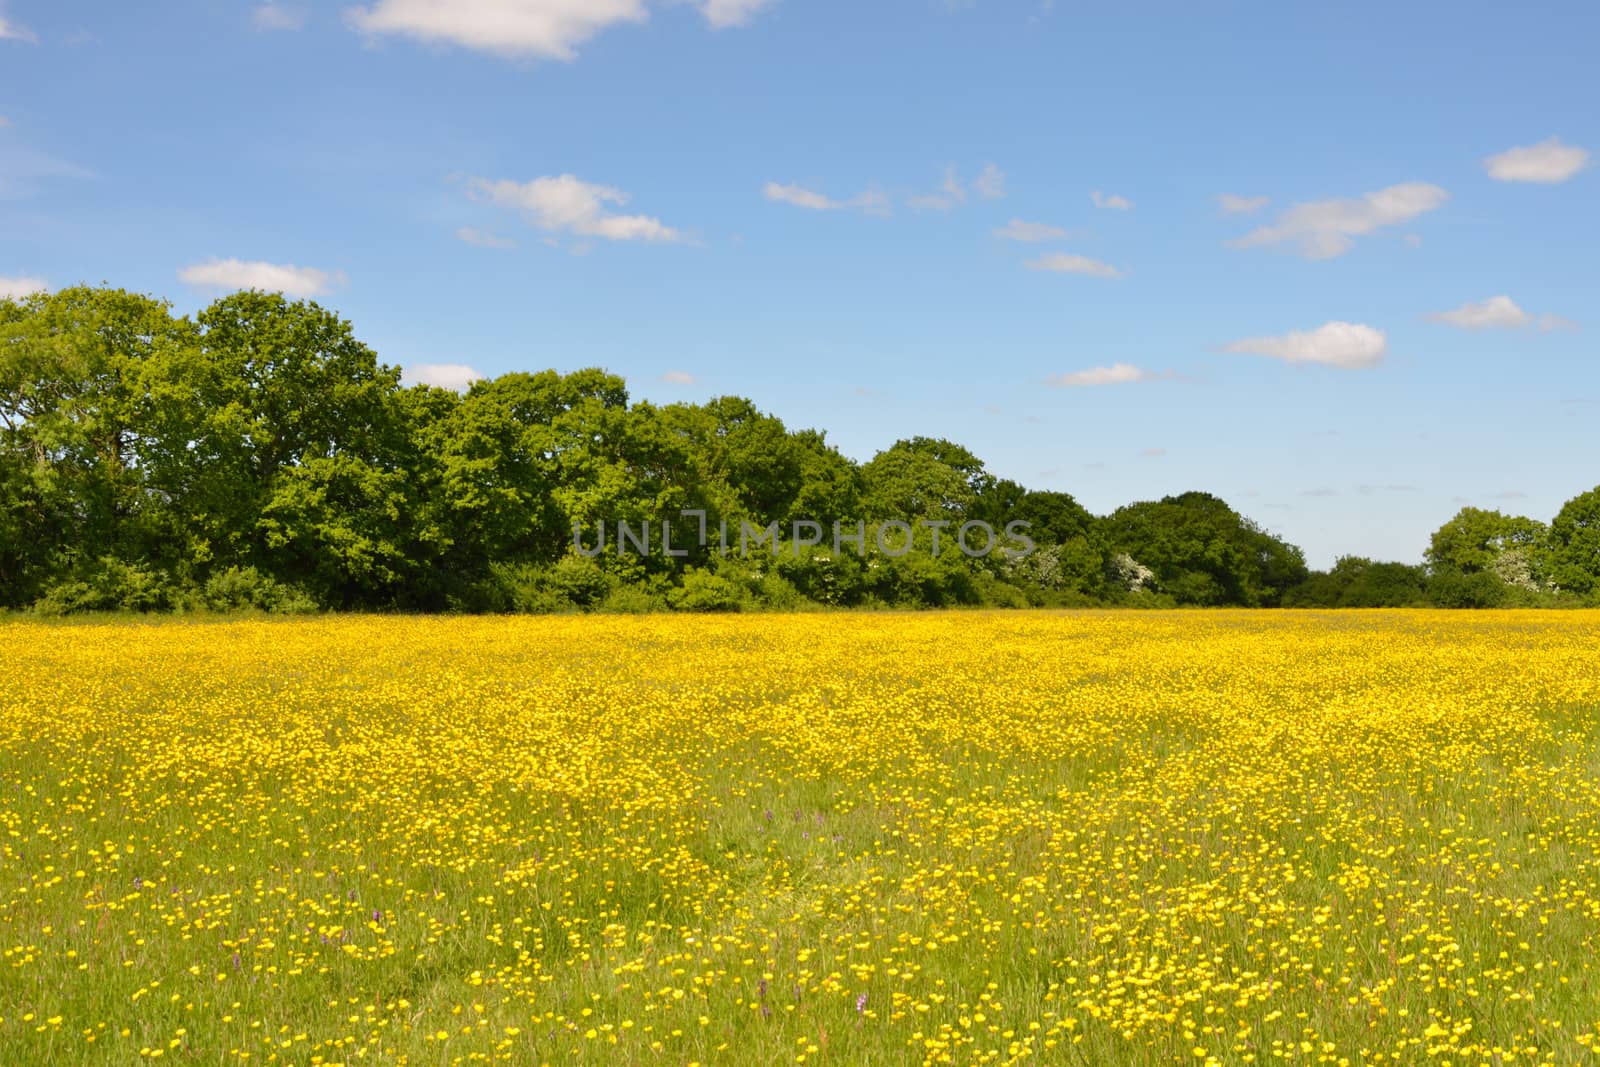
(1472, 540)
(1574, 544)
(1203, 552)
(923, 478)
(80, 452)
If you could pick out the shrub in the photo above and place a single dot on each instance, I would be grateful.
(241, 588)
(704, 591)
(578, 580)
(1454, 589)
(631, 600)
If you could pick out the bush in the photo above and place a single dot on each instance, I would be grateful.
(704, 591)
(999, 594)
(579, 581)
(631, 600)
(822, 576)
(572, 583)
(108, 585)
(242, 588)
(1454, 589)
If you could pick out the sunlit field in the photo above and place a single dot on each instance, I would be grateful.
(1101, 838)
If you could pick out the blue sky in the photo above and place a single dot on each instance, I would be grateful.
(1334, 263)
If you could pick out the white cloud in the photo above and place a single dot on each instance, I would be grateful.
(722, 14)
(283, 278)
(1112, 202)
(10, 31)
(1547, 162)
(1068, 263)
(5, 123)
(678, 377)
(456, 376)
(278, 17)
(15, 288)
(1241, 205)
(567, 204)
(483, 238)
(800, 197)
(545, 29)
(550, 29)
(1335, 344)
(870, 202)
(1323, 229)
(1116, 374)
(990, 183)
(1497, 313)
(1030, 232)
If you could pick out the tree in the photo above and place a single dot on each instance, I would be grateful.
(1574, 544)
(1472, 540)
(923, 478)
(1203, 552)
(81, 448)
(1355, 582)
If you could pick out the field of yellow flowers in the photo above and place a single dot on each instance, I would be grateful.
(1098, 838)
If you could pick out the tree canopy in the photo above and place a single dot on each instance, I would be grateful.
(258, 454)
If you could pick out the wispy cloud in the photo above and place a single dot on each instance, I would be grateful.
(1116, 374)
(566, 204)
(22, 169)
(990, 183)
(483, 238)
(1030, 232)
(285, 278)
(277, 18)
(678, 377)
(1548, 163)
(951, 192)
(1498, 313)
(800, 197)
(1068, 263)
(1110, 202)
(1323, 229)
(1241, 205)
(1334, 344)
(722, 14)
(10, 31)
(870, 202)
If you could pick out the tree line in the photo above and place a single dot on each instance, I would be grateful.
(258, 456)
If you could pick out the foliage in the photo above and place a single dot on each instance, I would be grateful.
(1574, 553)
(259, 456)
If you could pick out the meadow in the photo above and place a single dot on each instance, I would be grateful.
(1074, 838)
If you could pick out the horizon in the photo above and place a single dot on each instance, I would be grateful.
(1336, 278)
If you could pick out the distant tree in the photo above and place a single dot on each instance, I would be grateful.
(1203, 552)
(1574, 544)
(1466, 589)
(923, 477)
(1472, 540)
(1355, 582)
